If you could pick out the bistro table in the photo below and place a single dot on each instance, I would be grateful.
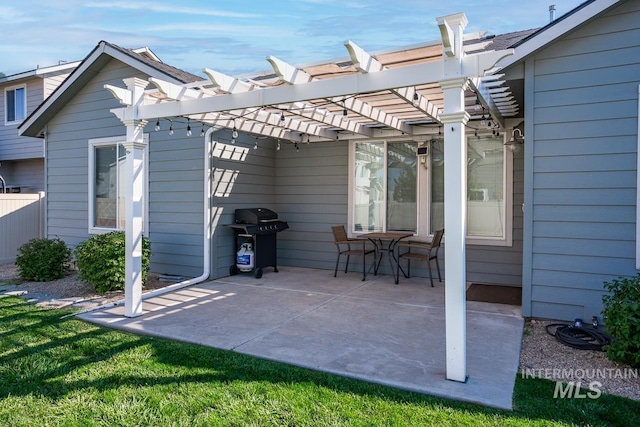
(386, 242)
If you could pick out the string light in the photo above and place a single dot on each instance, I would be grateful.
(255, 146)
(234, 132)
(278, 146)
(170, 127)
(189, 127)
(157, 125)
(202, 130)
(282, 118)
(295, 144)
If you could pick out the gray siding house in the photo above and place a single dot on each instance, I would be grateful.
(22, 158)
(556, 218)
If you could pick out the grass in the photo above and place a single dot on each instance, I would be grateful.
(65, 372)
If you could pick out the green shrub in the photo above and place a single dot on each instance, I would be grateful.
(622, 318)
(101, 261)
(43, 260)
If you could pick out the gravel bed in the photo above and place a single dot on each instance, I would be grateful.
(541, 354)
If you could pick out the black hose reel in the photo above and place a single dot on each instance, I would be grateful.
(579, 337)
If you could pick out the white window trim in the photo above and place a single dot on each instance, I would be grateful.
(91, 163)
(424, 200)
(6, 109)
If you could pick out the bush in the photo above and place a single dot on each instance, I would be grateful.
(101, 261)
(622, 318)
(43, 260)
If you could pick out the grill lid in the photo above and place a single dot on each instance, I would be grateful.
(255, 216)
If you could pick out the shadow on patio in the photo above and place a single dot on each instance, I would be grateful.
(373, 330)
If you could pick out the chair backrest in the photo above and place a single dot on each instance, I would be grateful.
(437, 238)
(339, 233)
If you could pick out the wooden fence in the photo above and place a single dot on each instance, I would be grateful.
(21, 219)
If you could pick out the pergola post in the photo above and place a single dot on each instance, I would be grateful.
(454, 118)
(134, 176)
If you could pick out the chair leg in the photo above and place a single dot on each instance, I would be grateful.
(364, 266)
(346, 266)
(335, 273)
(438, 265)
(430, 273)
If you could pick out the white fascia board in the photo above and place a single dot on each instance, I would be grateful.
(557, 30)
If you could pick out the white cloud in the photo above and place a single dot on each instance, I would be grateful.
(173, 9)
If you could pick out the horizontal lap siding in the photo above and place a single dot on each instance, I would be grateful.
(584, 165)
(176, 176)
(12, 145)
(242, 177)
(312, 194)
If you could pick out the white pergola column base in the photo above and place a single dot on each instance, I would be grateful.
(455, 224)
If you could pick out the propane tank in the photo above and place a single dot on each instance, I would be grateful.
(245, 258)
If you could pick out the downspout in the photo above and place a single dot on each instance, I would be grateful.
(206, 239)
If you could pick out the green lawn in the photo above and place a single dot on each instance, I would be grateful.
(65, 372)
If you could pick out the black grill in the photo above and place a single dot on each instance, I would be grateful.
(260, 227)
(258, 221)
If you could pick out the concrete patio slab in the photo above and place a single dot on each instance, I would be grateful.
(372, 330)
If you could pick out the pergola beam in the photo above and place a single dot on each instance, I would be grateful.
(366, 63)
(295, 76)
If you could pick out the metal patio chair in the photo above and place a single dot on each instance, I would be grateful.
(350, 246)
(421, 251)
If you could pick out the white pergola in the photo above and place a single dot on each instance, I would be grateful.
(414, 92)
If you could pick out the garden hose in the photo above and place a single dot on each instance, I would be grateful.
(579, 337)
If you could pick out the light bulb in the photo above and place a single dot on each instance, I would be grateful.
(234, 133)
(157, 125)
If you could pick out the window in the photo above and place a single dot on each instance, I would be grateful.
(385, 178)
(15, 106)
(107, 185)
(392, 189)
(488, 190)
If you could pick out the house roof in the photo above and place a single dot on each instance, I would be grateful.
(40, 71)
(142, 59)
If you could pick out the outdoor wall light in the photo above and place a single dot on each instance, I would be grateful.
(515, 142)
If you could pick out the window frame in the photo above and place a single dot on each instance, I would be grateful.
(424, 197)
(507, 210)
(8, 122)
(105, 142)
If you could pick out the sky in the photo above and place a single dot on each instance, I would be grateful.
(235, 36)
